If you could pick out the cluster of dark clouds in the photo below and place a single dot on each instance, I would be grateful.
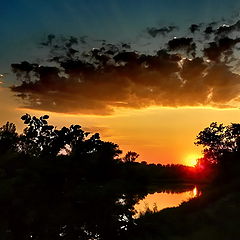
(154, 32)
(115, 75)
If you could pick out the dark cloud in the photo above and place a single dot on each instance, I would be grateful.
(64, 46)
(219, 29)
(194, 27)
(221, 49)
(97, 80)
(209, 30)
(186, 44)
(126, 45)
(154, 32)
(223, 83)
(226, 29)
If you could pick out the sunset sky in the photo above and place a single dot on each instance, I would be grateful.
(147, 75)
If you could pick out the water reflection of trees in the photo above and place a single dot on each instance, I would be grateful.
(172, 188)
(88, 193)
(93, 214)
(88, 211)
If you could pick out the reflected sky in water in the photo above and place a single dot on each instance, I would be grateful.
(160, 200)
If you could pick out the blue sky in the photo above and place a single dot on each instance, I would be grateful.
(25, 22)
(106, 17)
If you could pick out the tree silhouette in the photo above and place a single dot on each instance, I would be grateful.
(130, 157)
(69, 184)
(8, 137)
(218, 140)
(40, 139)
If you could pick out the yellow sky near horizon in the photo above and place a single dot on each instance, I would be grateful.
(159, 134)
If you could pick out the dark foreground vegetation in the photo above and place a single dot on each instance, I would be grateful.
(69, 184)
(216, 213)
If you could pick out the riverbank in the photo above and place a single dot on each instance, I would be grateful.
(213, 215)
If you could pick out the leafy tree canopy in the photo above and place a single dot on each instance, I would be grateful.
(218, 139)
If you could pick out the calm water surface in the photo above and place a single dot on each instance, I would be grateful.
(160, 200)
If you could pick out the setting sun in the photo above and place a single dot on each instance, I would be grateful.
(122, 117)
(191, 159)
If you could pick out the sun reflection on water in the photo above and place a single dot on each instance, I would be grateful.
(160, 200)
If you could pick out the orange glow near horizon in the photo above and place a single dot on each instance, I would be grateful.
(191, 159)
(158, 134)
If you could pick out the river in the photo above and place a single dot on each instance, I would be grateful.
(164, 199)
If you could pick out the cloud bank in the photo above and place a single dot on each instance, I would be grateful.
(188, 71)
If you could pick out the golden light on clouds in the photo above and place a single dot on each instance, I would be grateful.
(159, 134)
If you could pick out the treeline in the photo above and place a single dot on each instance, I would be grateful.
(69, 184)
(73, 153)
(204, 217)
(221, 151)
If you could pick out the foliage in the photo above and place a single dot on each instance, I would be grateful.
(41, 139)
(8, 137)
(218, 140)
(130, 157)
(70, 184)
